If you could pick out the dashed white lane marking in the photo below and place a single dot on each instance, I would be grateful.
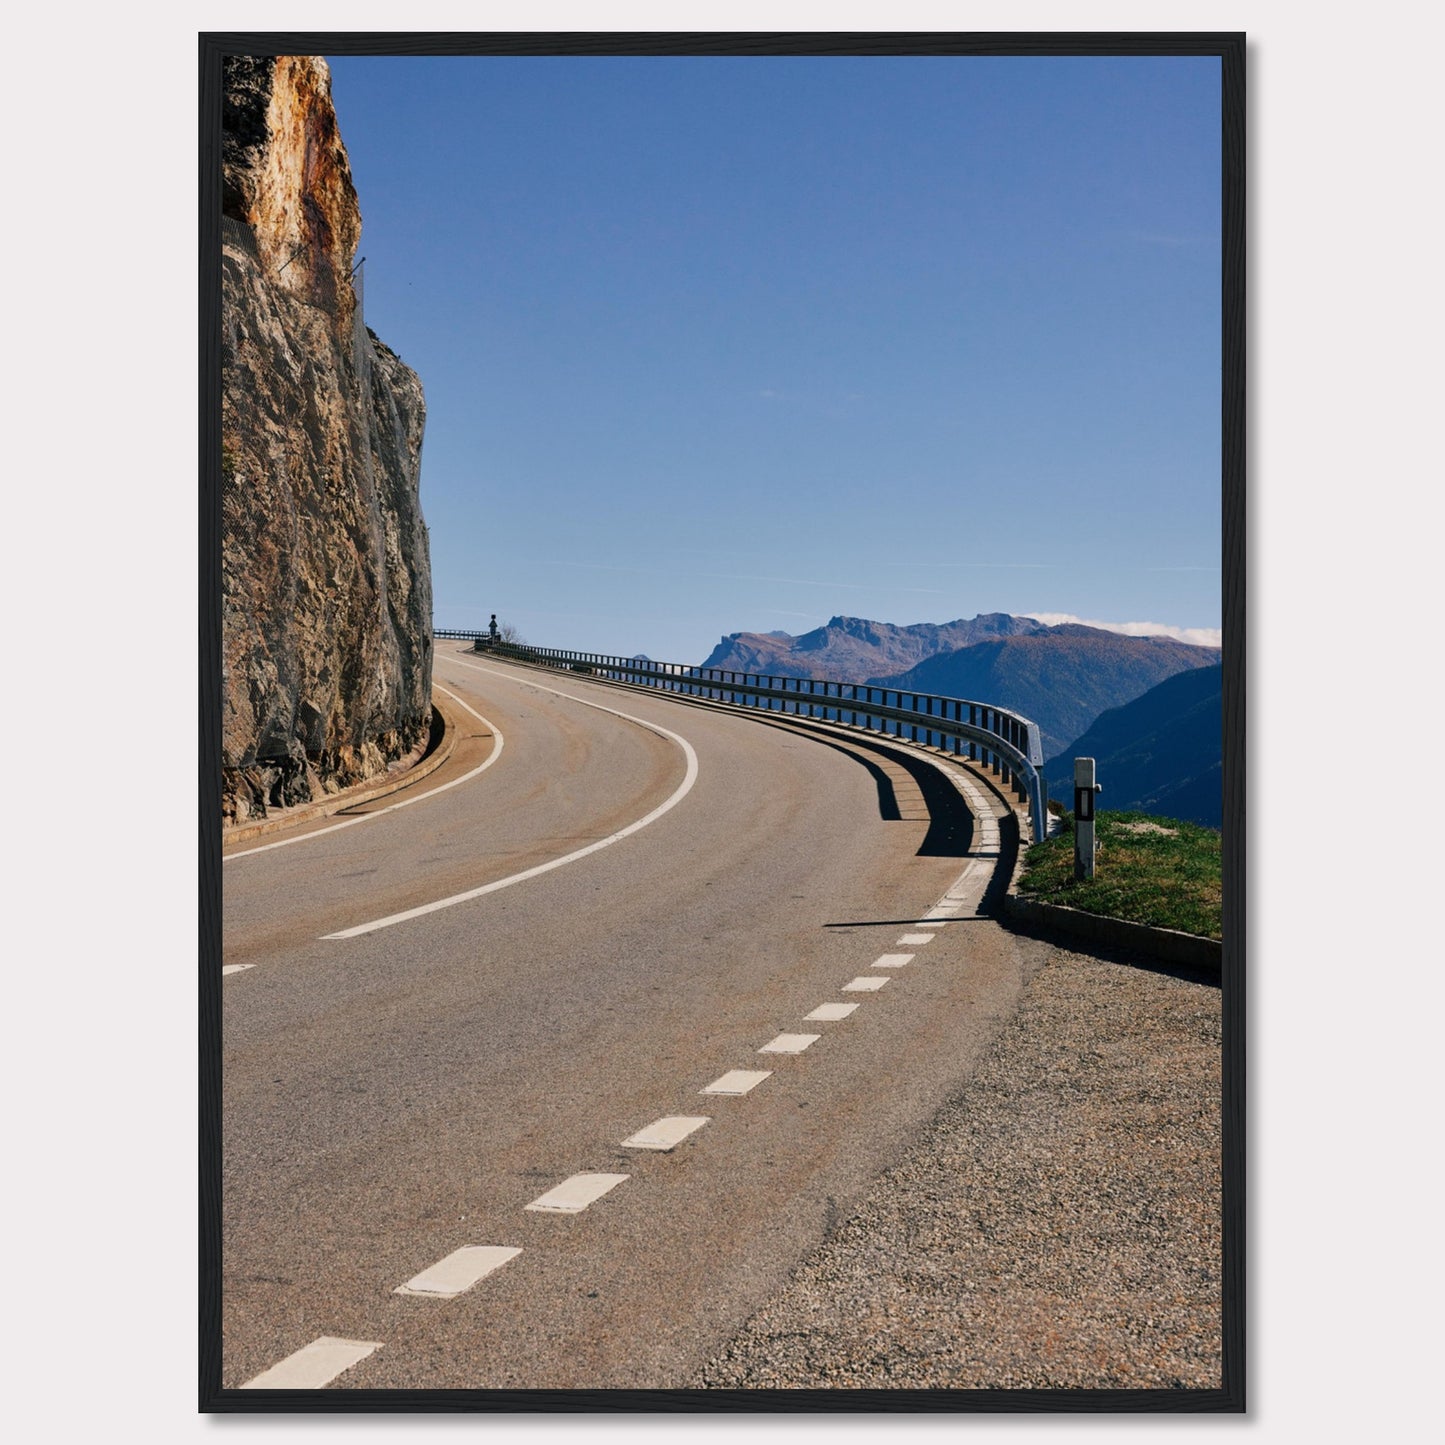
(865, 985)
(737, 1081)
(666, 1133)
(313, 1365)
(944, 910)
(459, 1271)
(683, 789)
(573, 1195)
(235, 968)
(405, 802)
(790, 1043)
(893, 960)
(913, 940)
(829, 1012)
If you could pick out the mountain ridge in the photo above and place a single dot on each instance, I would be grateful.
(1062, 677)
(851, 649)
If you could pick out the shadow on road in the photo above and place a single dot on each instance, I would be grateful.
(950, 824)
(990, 906)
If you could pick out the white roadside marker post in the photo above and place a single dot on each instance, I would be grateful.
(1084, 789)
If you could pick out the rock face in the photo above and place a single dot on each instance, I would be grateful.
(325, 568)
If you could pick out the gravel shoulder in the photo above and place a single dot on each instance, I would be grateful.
(1056, 1226)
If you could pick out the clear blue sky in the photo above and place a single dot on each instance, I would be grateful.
(725, 344)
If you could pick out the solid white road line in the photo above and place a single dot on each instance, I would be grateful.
(829, 1012)
(865, 985)
(790, 1043)
(737, 1081)
(313, 1365)
(666, 1133)
(459, 1271)
(405, 802)
(913, 940)
(235, 968)
(573, 1195)
(683, 789)
(893, 960)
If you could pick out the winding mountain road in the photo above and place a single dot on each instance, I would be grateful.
(611, 902)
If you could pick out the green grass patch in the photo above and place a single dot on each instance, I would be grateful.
(1157, 871)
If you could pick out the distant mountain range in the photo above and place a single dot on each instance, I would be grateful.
(853, 649)
(1062, 677)
(1157, 754)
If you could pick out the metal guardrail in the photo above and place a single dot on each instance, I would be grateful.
(1001, 739)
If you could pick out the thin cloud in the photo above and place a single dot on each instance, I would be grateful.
(1196, 636)
(810, 582)
(1032, 566)
(1167, 238)
(733, 576)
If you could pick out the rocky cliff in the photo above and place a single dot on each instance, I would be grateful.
(325, 571)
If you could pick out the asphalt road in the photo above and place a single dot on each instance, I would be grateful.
(398, 1095)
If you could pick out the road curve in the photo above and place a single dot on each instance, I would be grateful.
(398, 1097)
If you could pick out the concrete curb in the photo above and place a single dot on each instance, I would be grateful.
(440, 749)
(1049, 920)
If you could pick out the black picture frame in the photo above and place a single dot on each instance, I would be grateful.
(1230, 48)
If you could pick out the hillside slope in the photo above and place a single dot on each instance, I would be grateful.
(1160, 753)
(1062, 677)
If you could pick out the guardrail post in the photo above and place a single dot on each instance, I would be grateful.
(1039, 806)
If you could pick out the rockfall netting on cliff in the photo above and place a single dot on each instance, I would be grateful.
(325, 569)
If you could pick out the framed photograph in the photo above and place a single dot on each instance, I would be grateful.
(722, 717)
